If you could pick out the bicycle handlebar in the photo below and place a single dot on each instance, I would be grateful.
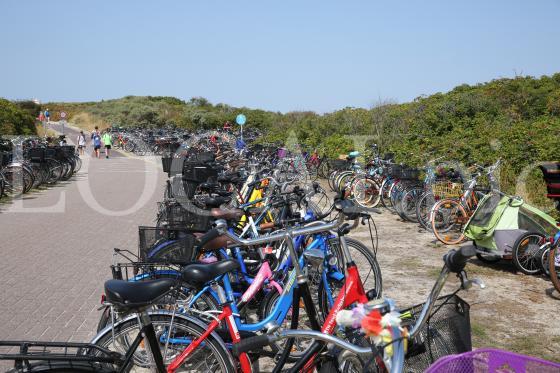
(454, 261)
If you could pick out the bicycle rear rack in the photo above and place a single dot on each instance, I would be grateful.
(70, 352)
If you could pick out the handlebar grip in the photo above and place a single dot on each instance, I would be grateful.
(455, 260)
(251, 343)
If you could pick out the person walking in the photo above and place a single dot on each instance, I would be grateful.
(108, 141)
(96, 137)
(81, 143)
(47, 115)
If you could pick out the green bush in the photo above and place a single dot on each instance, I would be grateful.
(14, 120)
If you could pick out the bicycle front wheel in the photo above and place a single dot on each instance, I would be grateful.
(366, 192)
(370, 272)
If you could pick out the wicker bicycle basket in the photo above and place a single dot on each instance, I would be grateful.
(447, 189)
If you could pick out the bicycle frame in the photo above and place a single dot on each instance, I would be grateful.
(226, 315)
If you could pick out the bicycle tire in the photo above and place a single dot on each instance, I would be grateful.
(554, 267)
(372, 196)
(524, 252)
(184, 328)
(14, 178)
(386, 189)
(409, 202)
(370, 263)
(444, 221)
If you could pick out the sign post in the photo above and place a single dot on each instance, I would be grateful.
(241, 119)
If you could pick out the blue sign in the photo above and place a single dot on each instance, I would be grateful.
(240, 119)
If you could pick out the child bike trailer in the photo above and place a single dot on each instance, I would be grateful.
(506, 227)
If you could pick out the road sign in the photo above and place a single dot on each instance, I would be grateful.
(62, 114)
(241, 119)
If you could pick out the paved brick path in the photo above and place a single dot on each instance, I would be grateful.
(56, 246)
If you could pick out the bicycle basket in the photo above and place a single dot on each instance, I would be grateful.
(164, 245)
(198, 172)
(447, 331)
(37, 155)
(447, 189)
(68, 150)
(338, 164)
(140, 271)
(50, 153)
(403, 172)
(5, 158)
(492, 360)
(189, 217)
(201, 158)
(170, 147)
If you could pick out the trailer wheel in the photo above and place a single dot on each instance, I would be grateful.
(525, 253)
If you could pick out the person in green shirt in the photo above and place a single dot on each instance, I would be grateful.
(108, 141)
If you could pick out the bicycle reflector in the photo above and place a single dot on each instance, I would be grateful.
(103, 298)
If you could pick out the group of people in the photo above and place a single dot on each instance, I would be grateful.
(98, 139)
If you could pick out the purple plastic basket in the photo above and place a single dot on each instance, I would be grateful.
(490, 360)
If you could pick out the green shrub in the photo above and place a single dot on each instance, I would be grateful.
(14, 120)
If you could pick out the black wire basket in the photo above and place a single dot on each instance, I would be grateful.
(176, 216)
(165, 245)
(68, 150)
(6, 158)
(338, 164)
(140, 271)
(447, 332)
(37, 155)
(171, 165)
(403, 172)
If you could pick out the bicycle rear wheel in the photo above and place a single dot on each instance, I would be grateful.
(210, 357)
(448, 220)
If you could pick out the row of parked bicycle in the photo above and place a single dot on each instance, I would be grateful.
(456, 205)
(28, 163)
(155, 141)
(248, 268)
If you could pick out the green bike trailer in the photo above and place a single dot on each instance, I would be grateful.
(499, 220)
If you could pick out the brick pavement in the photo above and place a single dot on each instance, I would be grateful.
(55, 259)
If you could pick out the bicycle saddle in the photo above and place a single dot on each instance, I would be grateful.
(209, 186)
(125, 294)
(215, 202)
(199, 274)
(211, 240)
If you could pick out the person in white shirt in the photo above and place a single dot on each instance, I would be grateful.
(81, 142)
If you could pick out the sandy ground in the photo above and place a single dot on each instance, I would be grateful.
(514, 312)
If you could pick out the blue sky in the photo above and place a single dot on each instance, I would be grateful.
(281, 55)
